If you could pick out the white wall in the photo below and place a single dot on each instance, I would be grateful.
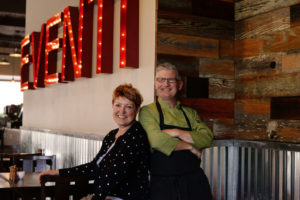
(84, 106)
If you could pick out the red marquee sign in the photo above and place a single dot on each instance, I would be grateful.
(76, 44)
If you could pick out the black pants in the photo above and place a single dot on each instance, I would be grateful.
(194, 186)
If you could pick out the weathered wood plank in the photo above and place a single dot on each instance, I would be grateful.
(285, 108)
(252, 106)
(249, 8)
(187, 45)
(265, 64)
(223, 127)
(268, 86)
(295, 15)
(226, 48)
(171, 22)
(221, 88)
(248, 47)
(263, 24)
(285, 40)
(290, 63)
(211, 108)
(216, 68)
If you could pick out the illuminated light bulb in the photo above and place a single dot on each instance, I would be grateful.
(100, 43)
(100, 5)
(100, 30)
(77, 72)
(80, 39)
(82, 4)
(123, 34)
(122, 63)
(81, 16)
(123, 49)
(79, 66)
(99, 56)
(123, 6)
(99, 68)
(80, 50)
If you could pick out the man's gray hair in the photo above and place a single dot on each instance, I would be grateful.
(168, 66)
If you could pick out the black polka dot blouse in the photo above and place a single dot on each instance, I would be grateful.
(123, 172)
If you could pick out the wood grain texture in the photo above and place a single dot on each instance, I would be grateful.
(263, 24)
(187, 45)
(248, 47)
(290, 63)
(259, 65)
(249, 8)
(221, 88)
(268, 86)
(211, 108)
(226, 48)
(171, 22)
(223, 126)
(216, 68)
(285, 40)
(253, 106)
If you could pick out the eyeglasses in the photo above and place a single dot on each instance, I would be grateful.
(169, 80)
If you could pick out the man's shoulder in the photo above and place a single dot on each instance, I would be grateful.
(150, 106)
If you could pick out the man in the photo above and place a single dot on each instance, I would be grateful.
(177, 136)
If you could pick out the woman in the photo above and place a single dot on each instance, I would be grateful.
(120, 169)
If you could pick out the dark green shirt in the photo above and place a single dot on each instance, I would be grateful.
(161, 141)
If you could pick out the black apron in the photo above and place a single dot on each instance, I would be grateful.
(178, 176)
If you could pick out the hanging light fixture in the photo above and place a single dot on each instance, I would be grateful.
(3, 61)
(16, 53)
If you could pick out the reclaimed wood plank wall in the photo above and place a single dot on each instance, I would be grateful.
(267, 52)
(250, 54)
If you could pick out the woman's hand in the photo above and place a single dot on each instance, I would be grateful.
(48, 172)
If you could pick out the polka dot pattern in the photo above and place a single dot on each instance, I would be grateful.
(124, 170)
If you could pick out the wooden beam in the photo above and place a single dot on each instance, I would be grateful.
(187, 45)
(211, 108)
(171, 22)
(249, 8)
(263, 24)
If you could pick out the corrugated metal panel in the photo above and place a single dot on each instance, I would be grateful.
(236, 169)
(253, 170)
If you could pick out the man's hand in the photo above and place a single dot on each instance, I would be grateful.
(181, 134)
